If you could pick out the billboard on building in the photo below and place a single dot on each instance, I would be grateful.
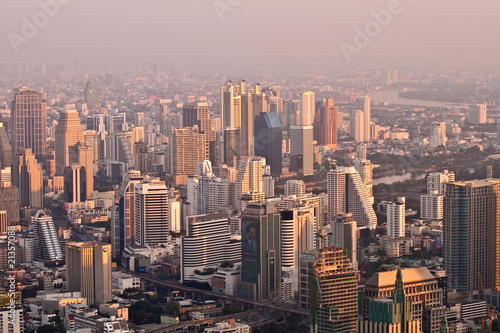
(250, 250)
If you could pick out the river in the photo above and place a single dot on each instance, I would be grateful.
(392, 97)
(399, 178)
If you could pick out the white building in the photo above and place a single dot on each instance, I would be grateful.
(436, 181)
(365, 169)
(151, 213)
(307, 108)
(174, 213)
(438, 134)
(431, 206)
(396, 218)
(228, 327)
(122, 281)
(363, 104)
(294, 187)
(357, 125)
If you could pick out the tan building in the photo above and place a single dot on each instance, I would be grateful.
(420, 287)
(27, 175)
(84, 156)
(69, 132)
(188, 147)
(88, 269)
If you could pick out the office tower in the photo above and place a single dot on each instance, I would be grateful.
(46, 245)
(247, 122)
(196, 114)
(123, 214)
(298, 233)
(151, 213)
(29, 121)
(291, 111)
(267, 140)
(69, 132)
(436, 181)
(431, 206)
(231, 146)
(365, 169)
(5, 148)
(294, 187)
(249, 178)
(363, 104)
(419, 285)
(9, 201)
(357, 123)
(90, 95)
(92, 139)
(438, 134)
(207, 244)
(188, 147)
(327, 125)
(307, 108)
(3, 222)
(301, 149)
(83, 155)
(259, 101)
(27, 176)
(396, 218)
(139, 119)
(75, 183)
(88, 269)
(387, 315)
(12, 319)
(143, 158)
(329, 290)
(206, 193)
(471, 232)
(119, 147)
(260, 253)
(345, 236)
(477, 114)
(227, 101)
(361, 151)
(347, 194)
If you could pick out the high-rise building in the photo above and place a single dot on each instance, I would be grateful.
(88, 269)
(83, 155)
(75, 183)
(231, 146)
(92, 139)
(347, 194)
(5, 148)
(69, 132)
(46, 246)
(188, 147)
(9, 201)
(361, 151)
(207, 244)
(436, 181)
(247, 122)
(327, 125)
(196, 114)
(267, 140)
(294, 187)
(227, 101)
(27, 176)
(471, 229)
(12, 319)
(260, 253)
(438, 134)
(388, 314)
(345, 235)
(3, 222)
(363, 104)
(301, 149)
(357, 125)
(151, 213)
(29, 121)
(477, 114)
(249, 178)
(123, 214)
(307, 108)
(431, 206)
(90, 95)
(329, 290)
(365, 169)
(396, 218)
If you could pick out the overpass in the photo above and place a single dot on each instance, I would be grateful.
(235, 299)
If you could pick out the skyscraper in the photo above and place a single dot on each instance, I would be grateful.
(347, 194)
(227, 101)
(5, 148)
(329, 290)
(188, 147)
(345, 235)
(88, 269)
(90, 95)
(46, 245)
(357, 125)
(84, 155)
(247, 122)
(196, 114)
(231, 146)
(267, 140)
(363, 104)
(436, 181)
(75, 186)
(69, 132)
(249, 178)
(471, 229)
(29, 121)
(27, 176)
(328, 124)
(396, 218)
(307, 107)
(151, 213)
(301, 149)
(261, 253)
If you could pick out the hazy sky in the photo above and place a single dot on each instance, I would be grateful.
(252, 32)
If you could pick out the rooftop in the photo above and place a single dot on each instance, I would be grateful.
(410, 275)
